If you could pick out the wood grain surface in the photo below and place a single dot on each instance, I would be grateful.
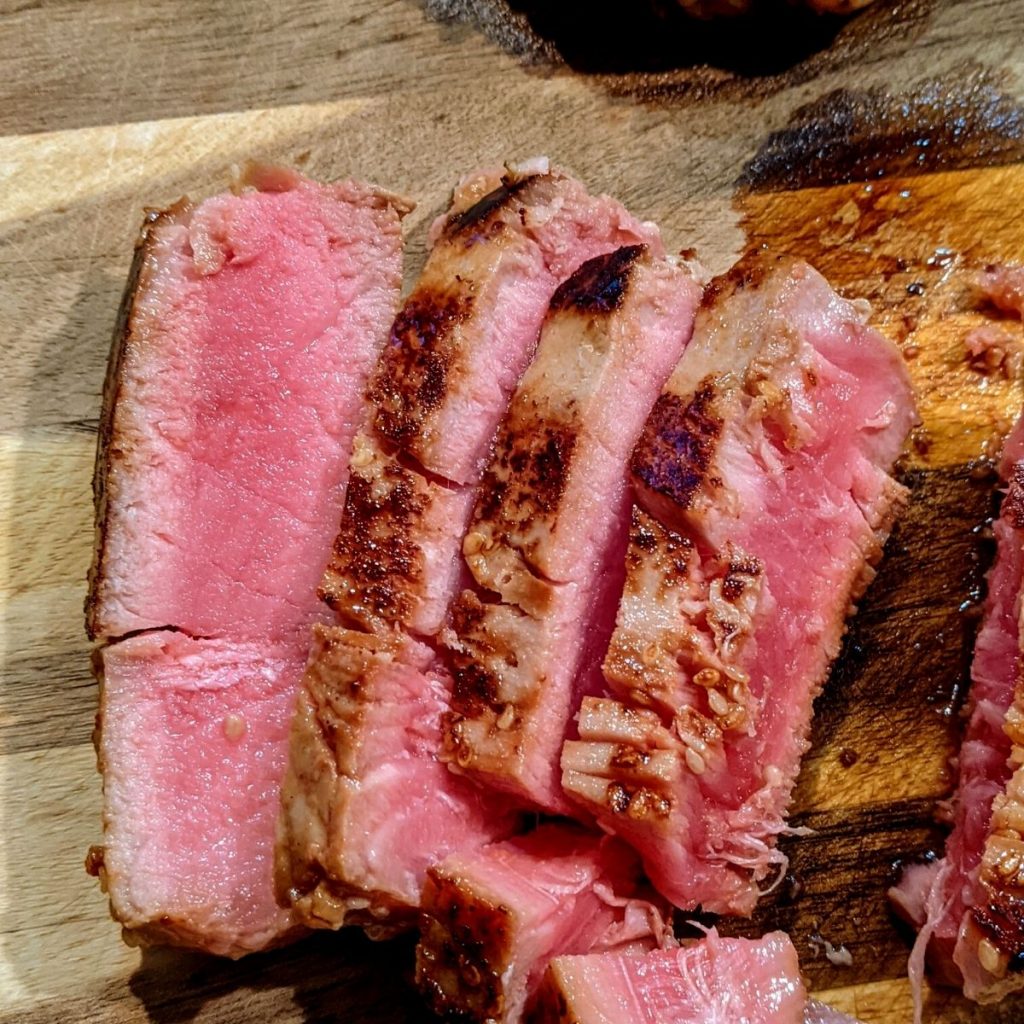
(111, 105)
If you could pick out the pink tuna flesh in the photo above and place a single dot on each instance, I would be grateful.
(367, 804)
(496, 917)
(193, 749)
(256, 321)
(549, 529)
(714, 981)
(764, 497)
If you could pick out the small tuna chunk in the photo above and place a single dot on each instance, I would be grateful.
(235, 388)
(711, 981)
(968, 904)
(495, 917)
(457, 350)
(1003, 286)
(549, 529)
(193, 747)
(763, 500)
(367, 804)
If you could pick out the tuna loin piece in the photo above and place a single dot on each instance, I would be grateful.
(716, 979)
(368, 806)
(763, 498)
(251, 324)
(969, 905)
(457, 350)
(496, 917)
(549, 529)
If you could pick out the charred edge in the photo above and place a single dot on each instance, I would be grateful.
(648, 537)
(482, 210)
(530, 470)
(600, 284)
(637, 802)
(1001, 921)
(375, 565)
(106, 451)
(413, 375)
(750, 271)
(677, 445)
(738, 577)
(552, 1006)
(463, 954)
(1013, 503)
(475, 687)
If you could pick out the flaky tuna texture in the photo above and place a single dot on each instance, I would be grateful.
(234, 392)
(713, 981)
(546, 540)
(367, 805)
(192, 746)
(968, 905)
(496, 916)
(456, 352)
(763, 500)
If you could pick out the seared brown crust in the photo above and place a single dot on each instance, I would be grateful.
(551, 1005)
(468, 223)
(463, 951)
(677, 446)
(107, 449)
(375, 568)
(599, 286)
(336, 689)
(411, 378)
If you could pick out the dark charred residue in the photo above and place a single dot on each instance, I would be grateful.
(748, 272)
(375, 564)
(739, 575)
(599, 286)
(463, 953)
(483, 209)
(1013, 503)
(652, 51)
(412, 378)
(677, 445)
(1001, 920)
(475, 685)
(847, 136)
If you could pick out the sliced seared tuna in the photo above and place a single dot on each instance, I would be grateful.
(236, 384)
(763, 499)
(714, 980)
(235, 389)
(367, 804)
(457, 350)
(546, 540)
(193, 742)
(495, 917)
(970, 905)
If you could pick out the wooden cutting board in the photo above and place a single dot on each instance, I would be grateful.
(107, 106)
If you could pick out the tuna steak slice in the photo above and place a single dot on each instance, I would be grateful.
(969, 905)
(251, 324)
(192, 749)
(763, 499)
(367, 804)
(234, 391)
(549, 529)
(495, 917)
(457, 350)
(713, 981)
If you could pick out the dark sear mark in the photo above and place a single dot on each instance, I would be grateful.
(677, 445)
(600, 284)
(484, 209)
(412, 377)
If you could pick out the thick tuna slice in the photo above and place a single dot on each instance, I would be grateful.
(549, 529)
(970, 905)
(193, 748)
(367, 804)
(763, 499)
(236, 383)
(495, 917)
(457, 350)
(235, 389)
(714, 981)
